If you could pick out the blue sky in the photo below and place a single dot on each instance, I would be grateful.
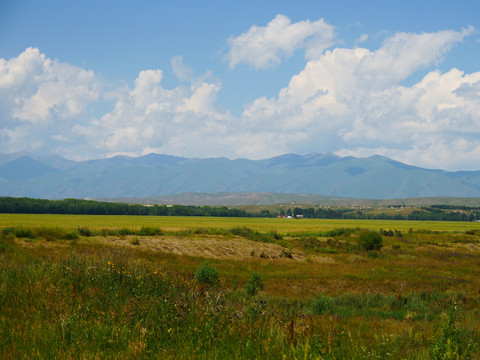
(242, 79)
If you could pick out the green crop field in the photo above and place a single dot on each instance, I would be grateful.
(187, 222)
(131, 287)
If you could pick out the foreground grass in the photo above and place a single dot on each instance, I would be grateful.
(68, 292)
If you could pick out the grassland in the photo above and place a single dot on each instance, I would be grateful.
(126, 287)
(260, 224)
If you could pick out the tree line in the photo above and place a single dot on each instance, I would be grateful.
(91, 207)
(424, 213)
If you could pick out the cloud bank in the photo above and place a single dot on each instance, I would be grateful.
(349, 101)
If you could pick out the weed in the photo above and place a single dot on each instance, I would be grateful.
(254, 284)
(275, 235)
(7, 243)
(150, 231)
(321, 304)
(310, 243)
(85, 231)
(288, 253)
(207, 274)
(452, 342)
(135, 241)
(253, 235)
(339, 232)
(242, 231)
(27, 233)
(126, 231)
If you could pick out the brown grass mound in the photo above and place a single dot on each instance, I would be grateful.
(217, 248)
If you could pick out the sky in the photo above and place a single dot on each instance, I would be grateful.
(242, 79)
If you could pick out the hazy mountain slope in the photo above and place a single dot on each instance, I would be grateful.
(25, 167)
(375, 177)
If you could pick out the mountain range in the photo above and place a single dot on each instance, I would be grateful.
(376, 177)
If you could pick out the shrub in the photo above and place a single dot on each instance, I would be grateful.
(25, 233)
(370, 240)
(310, 242)
(339, 232)
(150, 231)
(135, 241)
(288, 253)
(274, 235)
(109, 232)
(242, 231)
(56, 233)
(84, 231)
(253, 235)
(207, 274)
(6, 243)
(254, 284)
(125, 231)
(453, 343)
(321, 304)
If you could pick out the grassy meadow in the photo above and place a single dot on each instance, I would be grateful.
(127, 287)
(261, 224)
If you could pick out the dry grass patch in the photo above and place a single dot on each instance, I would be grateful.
(214, 247)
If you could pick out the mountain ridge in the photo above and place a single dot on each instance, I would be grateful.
(374, 177)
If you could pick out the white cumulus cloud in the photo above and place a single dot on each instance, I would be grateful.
(264, 46)
(38, 96)
(181, 121)
(350, 101)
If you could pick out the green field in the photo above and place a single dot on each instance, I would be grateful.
(185, 222)
(129, 287)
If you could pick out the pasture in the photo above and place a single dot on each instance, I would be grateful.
(74, 286)
(187, 222)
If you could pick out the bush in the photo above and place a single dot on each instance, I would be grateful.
(321, 304)
(370, 240)
(150, 231)
(242, 231)
(7, 243)
(135, 241)
(274, 235)
(310, 242)
(288, 253)
(125, 232)
(84, 231)
(253, 235)
(57, 233)
(452, 343)
(254, 284)
(207, 274)
(25, 233)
